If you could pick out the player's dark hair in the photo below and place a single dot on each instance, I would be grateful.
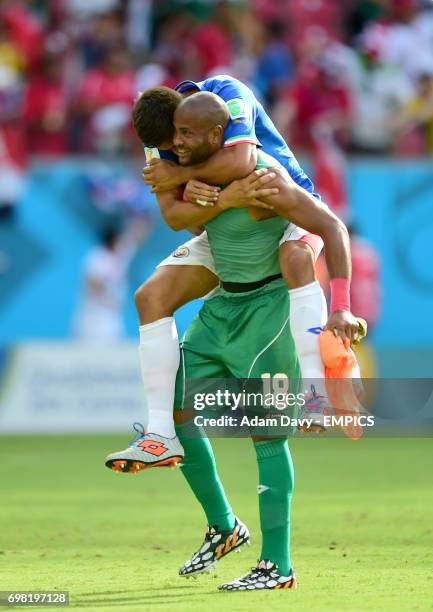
(152, 115)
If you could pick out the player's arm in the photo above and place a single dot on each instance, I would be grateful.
(312, 215)
(301, 208)
(182, 213)
(298, 206)
(223, 167)
(226, 165)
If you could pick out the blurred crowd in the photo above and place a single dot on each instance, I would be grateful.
(337, 77)
(357, 74)
(359, 69)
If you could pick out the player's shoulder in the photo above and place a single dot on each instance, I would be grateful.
(224, 84)
(239, 98)
(219, 80)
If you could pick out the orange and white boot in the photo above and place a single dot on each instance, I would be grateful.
(146, 450)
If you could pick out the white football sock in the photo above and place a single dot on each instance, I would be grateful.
(159, 360)
(308, 313)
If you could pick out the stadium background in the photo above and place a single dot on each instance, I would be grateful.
(349, 83)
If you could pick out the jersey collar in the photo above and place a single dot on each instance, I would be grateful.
(187, 85)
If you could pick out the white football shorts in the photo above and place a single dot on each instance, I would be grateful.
(196, 252)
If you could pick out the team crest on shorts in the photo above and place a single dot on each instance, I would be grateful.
(182, 251)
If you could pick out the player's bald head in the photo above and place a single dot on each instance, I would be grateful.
(199, 121)
(205, 108)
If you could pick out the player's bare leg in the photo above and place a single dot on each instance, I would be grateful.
(169, 288)
(297, 264)
(308, 313)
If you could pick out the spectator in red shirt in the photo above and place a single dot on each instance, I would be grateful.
(23, 29)
(172, 44)
(211, 41)
(45, 110)
(315, 97)
(106, 31)
(104, 102)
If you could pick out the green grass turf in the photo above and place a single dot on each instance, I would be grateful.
(361, 539)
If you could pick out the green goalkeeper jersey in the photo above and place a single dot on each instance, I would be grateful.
(245, 250)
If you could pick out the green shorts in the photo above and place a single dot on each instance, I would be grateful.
(238, 336)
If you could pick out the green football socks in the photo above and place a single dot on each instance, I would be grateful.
(275, 493)
(199, 469)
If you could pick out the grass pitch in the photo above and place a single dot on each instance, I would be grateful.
(361, 537)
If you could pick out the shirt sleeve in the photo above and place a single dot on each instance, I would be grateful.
(167, 155)
(240, 105)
